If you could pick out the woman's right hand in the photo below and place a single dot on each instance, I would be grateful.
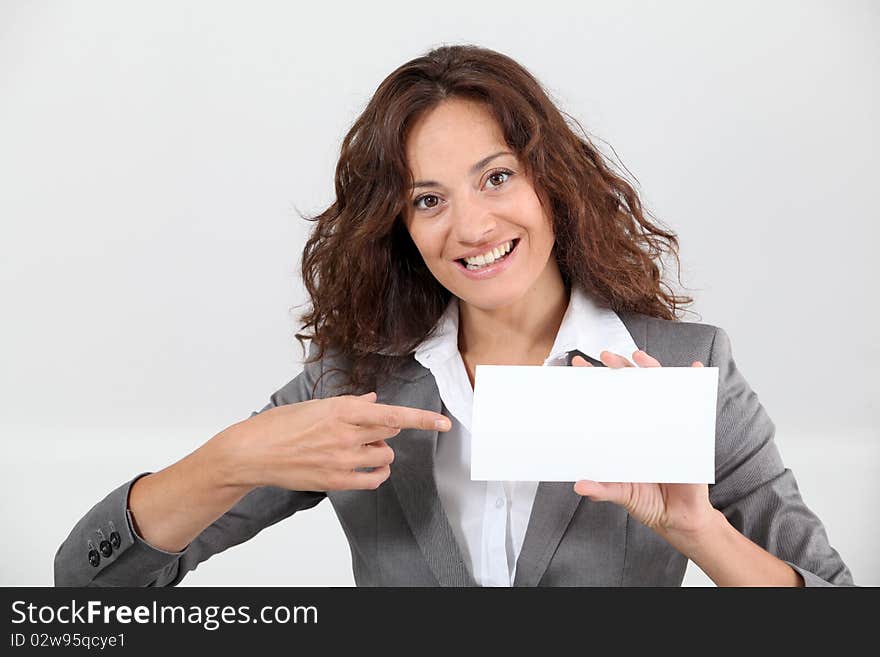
(317, 445)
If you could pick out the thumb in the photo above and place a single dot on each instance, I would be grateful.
(369, 396)
(601, 492)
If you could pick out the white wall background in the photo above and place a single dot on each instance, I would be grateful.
(153, 157)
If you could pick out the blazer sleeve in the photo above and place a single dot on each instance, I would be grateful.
(134, 562)
(754, 490)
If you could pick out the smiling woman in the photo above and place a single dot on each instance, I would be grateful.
(472, 225)
(458, 153)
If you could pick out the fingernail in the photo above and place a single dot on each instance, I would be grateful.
(441, 424)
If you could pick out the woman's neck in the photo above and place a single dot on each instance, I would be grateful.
(521, 333)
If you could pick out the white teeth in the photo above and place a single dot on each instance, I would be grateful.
(490, 256)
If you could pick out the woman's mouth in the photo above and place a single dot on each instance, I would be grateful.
(480, 271)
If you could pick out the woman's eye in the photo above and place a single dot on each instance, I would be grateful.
(431, 202)
(498, 178)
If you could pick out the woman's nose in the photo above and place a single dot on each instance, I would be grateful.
(472, 221)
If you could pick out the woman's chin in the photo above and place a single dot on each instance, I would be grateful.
(492, 299)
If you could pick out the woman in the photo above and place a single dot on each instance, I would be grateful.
(471, 225)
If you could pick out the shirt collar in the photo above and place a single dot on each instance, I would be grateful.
(442, 343)
(587, 326)
(591, 327)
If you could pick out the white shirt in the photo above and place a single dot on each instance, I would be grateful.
(490, 518)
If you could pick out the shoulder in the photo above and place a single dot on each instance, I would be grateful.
(332, 368)
(326, 366)
(674, 342)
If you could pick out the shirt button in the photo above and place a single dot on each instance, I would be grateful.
(499, 502)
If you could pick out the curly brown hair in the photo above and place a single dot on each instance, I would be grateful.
(373, 299)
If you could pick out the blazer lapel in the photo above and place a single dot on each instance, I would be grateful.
(556, 501)
(412, 475)
(555, 504)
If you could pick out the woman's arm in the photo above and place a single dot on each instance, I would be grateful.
(204, 478)
(730, 559)
(266, 468)
(749, 528)
(758, 496)
(180, 515)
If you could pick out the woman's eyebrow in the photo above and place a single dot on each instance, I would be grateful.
(474, 169)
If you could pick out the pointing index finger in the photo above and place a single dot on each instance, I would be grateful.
(401, 417)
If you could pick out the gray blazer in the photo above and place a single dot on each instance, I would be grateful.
(399, 533)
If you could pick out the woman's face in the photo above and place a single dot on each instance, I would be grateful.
(470, 195)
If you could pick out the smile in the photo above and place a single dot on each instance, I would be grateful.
(490, 263)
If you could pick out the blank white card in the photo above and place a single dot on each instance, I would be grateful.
(652, 424)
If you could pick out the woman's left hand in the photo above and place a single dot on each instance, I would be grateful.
(675, 511)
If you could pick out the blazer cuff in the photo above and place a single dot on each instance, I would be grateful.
(809, 578)
(131, 562)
